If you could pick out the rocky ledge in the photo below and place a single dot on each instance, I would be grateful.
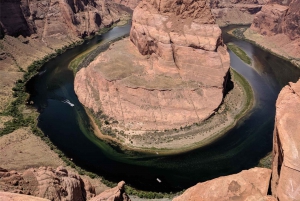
(169, 75)
(247, 185)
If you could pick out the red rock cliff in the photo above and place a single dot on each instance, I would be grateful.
(56, 17)
(286, 146)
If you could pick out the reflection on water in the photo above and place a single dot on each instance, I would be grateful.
(241, 148)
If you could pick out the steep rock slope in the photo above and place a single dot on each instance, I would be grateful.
(247, 185)
(172, 75)
(286, 146)
(277, 28)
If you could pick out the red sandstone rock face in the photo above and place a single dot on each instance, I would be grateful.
(114, 194)
(56, 18)
(248, 185)
(286, 148)
(55, 185)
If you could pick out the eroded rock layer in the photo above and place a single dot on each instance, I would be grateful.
(172, 74)
(286, 147)
(247, 185)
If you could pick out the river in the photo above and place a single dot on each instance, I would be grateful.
(241, 148)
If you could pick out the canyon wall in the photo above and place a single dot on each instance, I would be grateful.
(170, 75)
(229, 12)
(277, 28)
(30, 30)
(286, 146)
(57, 18)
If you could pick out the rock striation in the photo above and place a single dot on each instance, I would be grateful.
(286, 147)
(170, 74)
(247, 185)
(45, 182)
(276, 27)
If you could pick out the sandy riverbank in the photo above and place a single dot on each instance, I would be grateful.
(237, 103)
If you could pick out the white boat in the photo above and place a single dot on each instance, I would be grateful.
(68, 102)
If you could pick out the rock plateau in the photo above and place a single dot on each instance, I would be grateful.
(171, 73)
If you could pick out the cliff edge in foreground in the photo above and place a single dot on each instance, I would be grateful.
(286, 146)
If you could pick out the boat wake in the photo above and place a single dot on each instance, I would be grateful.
(42, 72)
(68, 102)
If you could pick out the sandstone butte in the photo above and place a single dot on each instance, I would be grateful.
(171, 73)
(276, 27)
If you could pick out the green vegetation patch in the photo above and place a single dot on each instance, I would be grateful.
(240, 53)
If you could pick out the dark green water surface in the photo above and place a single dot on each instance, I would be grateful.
(241, 148)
